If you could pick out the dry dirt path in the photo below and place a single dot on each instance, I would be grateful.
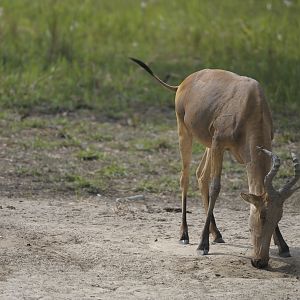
(100, 248)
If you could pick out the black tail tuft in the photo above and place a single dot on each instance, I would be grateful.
(143, 65)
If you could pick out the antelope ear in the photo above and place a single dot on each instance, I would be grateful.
(252, 199)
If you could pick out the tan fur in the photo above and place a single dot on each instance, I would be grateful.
(225, 111)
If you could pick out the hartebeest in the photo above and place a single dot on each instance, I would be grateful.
(225, 111)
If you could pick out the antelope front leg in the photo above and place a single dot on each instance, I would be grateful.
(279, 241)
(215, 186)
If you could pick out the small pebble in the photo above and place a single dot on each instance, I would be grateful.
(10, 207)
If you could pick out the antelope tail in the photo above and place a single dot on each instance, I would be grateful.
(144, 66)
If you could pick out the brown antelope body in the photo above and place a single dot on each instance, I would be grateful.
(225, 111)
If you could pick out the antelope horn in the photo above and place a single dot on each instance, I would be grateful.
(287, 190)
(274, 169)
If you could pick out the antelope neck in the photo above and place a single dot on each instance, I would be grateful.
(257, 169)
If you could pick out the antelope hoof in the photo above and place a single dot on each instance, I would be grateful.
(219, 240)
(184, 242)
(205, 252)
(285, 254)
(203, 249)
(184, 239)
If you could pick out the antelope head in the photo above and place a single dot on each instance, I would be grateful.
(266, 209)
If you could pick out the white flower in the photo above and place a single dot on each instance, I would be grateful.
(143, 4)
(279, 36)
(287, 3)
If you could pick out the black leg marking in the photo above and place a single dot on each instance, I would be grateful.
(283, 248)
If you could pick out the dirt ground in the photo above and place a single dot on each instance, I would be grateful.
(58, 243)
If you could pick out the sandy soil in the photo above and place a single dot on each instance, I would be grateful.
(103, 248)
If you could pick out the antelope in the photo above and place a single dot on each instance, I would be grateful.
(228, 112)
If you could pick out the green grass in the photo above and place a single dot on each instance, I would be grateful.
(152, 145)
(158, 185)
(80, 183)
(112, 170)
(62, 155)
(90, 154)
(67, 55)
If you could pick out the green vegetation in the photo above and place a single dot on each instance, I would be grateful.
(112, 171)
(61, 155)
(161, 184)
(83, 184)
(67, 55)
(152, 144)
(90, 154)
